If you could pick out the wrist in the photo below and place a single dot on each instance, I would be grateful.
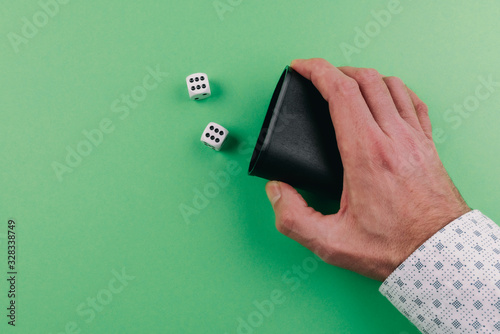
(422, 231)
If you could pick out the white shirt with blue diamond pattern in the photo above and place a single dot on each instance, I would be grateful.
(451, 283)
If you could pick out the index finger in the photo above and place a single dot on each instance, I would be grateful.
(350, 114)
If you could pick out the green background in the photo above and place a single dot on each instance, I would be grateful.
(119, 208)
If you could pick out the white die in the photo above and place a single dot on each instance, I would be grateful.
(198, 86)
(214, 136)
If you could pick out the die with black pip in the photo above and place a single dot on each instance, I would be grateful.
(214, 136)
(198, 86)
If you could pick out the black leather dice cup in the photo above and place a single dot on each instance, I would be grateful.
(297, 142)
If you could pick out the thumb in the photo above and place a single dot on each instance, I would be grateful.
(294, 218)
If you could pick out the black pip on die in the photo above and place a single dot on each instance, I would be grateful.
(214, 136)
(198, 86)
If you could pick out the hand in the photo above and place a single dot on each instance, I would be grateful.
(396, 192)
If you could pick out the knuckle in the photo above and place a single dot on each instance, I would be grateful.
(378, 147)
(383, 155)
(410, 163)
(393, 81)
(348, 87)
(367, 75)
(320, 61)
(421, 108)
(285, 223)
(319, 64)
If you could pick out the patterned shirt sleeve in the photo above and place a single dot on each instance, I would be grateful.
(451, 283)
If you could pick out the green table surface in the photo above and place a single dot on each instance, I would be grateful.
(102, 245)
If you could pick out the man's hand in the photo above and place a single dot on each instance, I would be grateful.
(396, 192)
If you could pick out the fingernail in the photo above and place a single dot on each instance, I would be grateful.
(273, 191)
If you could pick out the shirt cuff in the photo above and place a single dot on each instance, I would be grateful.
(451, 283)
